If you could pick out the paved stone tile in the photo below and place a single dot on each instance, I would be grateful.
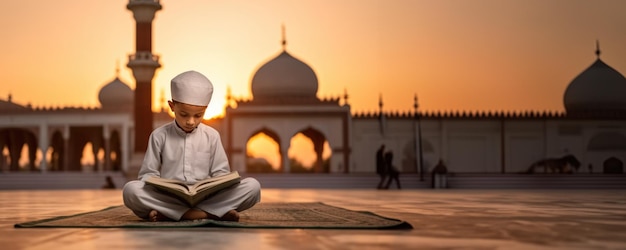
(442, 219)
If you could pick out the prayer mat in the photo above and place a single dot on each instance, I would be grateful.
(314, 215)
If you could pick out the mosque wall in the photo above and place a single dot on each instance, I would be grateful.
(472, 146)
(490, 145)
(524, 144)
(368, 134)
(400, 136)
(522, 150)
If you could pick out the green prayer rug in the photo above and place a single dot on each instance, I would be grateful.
(314, 215)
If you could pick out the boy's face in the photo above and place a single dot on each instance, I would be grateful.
(187, 116)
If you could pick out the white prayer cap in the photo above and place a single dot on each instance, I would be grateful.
(192, 88)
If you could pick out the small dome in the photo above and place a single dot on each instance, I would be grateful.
(116, 96)
(284, 77)
(598, 88)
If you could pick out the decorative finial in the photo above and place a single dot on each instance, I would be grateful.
(284, 41)
(598, 48)
(229, 96)
(415, 105)
(381, 116)
(345, 96)
(117, 68)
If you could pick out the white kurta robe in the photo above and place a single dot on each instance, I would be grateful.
(174, 154)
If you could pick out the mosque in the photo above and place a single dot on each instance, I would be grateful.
(284, 103)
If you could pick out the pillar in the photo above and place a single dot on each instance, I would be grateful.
(284, 148)
(66, 147)
(43, 146)
(106, 136)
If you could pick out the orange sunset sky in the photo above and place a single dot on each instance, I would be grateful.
(456, 55)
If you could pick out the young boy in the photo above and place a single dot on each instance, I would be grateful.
(188, 150)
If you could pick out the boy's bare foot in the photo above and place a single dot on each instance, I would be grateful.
(156, 216)
(231, 215)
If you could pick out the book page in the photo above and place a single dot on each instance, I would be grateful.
(171, 184)
(204, 182)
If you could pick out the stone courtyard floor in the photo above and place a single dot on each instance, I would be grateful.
(442, 219)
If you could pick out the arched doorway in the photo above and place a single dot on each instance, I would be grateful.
(613, 165)
(263, 152)
(88, 158)
(15, 140)
(309, 151)
(79, 138)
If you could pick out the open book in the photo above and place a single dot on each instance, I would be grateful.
(194, 193)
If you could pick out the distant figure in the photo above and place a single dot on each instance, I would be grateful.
(392, 172)
(108, 183)
(438, 175)
(380, 166)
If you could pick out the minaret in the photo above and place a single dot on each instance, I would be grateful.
(143, 64)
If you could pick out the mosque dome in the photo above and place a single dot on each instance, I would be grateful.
(284, 77)
(116, 95)
(598, 88)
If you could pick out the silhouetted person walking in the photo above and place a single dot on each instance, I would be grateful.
(380, 166)
(439, 175)
(392, 172)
